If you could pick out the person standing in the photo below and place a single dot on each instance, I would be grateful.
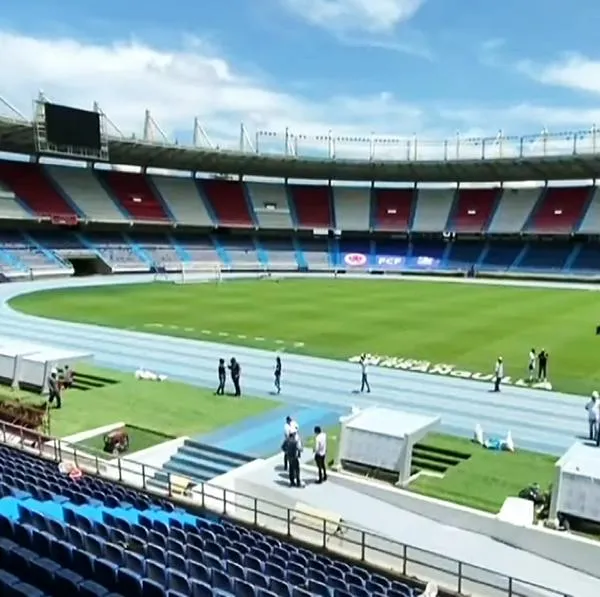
(531, 366)
(278, 375)
(498, 374)
(593, 408)
(294, 451)
(364, 380)
(543, 365)
(321, 453)
(236, 372)
(290, 426)
(54, 390)
(222, 378)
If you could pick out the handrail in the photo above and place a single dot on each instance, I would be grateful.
(345, 540)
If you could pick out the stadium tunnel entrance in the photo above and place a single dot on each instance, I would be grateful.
(88, 266)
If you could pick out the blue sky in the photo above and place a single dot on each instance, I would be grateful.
(431, 67)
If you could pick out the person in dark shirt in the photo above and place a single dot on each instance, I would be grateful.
(54, 390)
(278, 375)
(236, 371)
(293, 451)
(543, 365)
(222, 378)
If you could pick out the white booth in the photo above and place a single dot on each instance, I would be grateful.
(29, 365)
(576, 489)
(383, 438)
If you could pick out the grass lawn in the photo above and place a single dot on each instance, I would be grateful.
(464, 325)
(139, 439)
(482, 481)
(170, 408)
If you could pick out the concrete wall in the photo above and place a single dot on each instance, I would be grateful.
(570, 550)
(157, 456)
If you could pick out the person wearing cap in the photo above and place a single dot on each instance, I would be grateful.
(364, 380)
(498, 374)
(290, 426)
(593, 408)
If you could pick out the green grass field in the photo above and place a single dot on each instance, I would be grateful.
(465, 325)
(139, 439)
(483, 480)
(170, 408)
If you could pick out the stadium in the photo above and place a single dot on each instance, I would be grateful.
(140, 263)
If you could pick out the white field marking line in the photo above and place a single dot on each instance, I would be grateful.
(224, 334)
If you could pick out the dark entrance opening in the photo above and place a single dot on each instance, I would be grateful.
(89, 266)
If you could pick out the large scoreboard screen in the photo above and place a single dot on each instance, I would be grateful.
(70, 127)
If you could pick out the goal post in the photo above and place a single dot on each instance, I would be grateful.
(200, 272)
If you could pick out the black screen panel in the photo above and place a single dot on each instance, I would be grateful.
(70, 127)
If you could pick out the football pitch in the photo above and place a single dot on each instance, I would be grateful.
(466, 325)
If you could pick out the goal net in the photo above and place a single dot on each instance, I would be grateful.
(200, 272)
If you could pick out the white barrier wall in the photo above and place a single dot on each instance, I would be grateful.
(570, 550)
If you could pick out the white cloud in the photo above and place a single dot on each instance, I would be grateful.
(127, 77)
(573, 71)
(373, 16)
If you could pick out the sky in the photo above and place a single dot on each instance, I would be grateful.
(431, 68)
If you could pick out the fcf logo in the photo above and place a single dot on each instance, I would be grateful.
(355, 259)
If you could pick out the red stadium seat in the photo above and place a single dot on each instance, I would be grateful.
(313, 206)
(28, 182)
(136, 196)
(393, 209)
(473, 210)
(560, 210)
(228, 201)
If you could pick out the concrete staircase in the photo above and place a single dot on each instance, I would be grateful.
(200, 462)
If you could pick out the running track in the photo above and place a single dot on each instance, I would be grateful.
(315, 390)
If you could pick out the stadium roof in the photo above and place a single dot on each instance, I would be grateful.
(18, 137)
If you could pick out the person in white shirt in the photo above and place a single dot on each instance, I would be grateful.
(531, 367)
(364, 381)
(321, 453)
(498, 374)
(593, 410)
(289, 427)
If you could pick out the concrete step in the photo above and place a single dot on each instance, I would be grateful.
(204, 464)
(216, 454)
(193, 472)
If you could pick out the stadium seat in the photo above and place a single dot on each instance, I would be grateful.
(92, 551)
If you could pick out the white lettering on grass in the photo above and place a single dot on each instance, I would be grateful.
(444, 369)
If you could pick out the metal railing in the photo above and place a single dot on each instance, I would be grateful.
(331, 535)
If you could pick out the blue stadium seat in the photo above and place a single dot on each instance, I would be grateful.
(156, 572)
(176, 581)
(199, 572)
(129, 583)
(201, 589)
(318, 589)
(243, 588)
(23, 590)
(89, 588)
(257, 579)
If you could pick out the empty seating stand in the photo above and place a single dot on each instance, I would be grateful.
(91, 538)
(313, 206)
(393, 209)
(136, 196)
(228, 201)
(31, 186)
(473, 210)
(560, 211)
